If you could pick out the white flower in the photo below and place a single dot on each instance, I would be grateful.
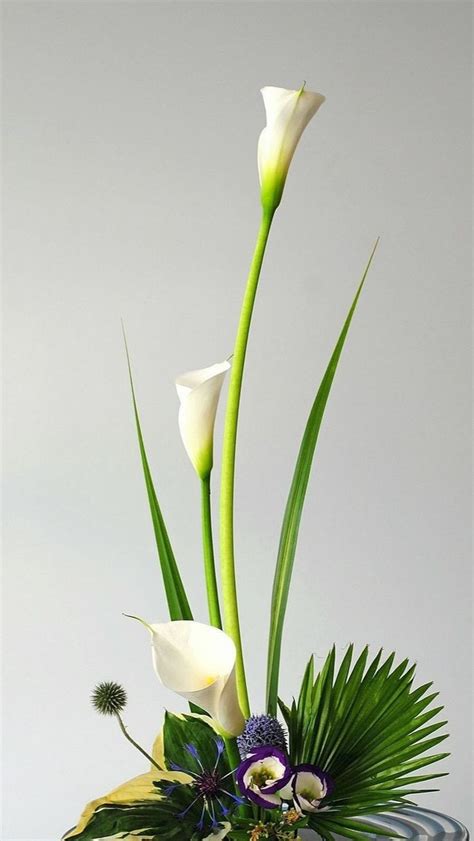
(199, 393)
(197, 662)
(288, 113)
(307, 788)
(263, 774)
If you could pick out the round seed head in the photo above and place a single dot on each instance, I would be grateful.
(109, 698)
(260, 731)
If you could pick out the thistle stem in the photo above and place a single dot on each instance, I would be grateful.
(229, 587)
(208, 552)
(233, 754)
(135, 744)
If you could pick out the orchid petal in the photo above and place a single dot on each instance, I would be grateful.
(262, 776)
(310, 785)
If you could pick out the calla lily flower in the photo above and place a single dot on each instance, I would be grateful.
(197, 662)
(199, 393)
(288, 113)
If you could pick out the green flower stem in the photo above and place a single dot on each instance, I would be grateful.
(233, 756)
(229, 589)
(208, 552)
(135, 744)
(232, 751)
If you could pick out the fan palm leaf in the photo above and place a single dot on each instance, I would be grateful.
(367, 727)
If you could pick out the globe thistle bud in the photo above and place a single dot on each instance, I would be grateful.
(260, 731)
(109, 698)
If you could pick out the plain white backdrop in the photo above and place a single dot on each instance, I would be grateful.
(131, 191)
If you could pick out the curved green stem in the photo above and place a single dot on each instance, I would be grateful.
(229, 589)
(233, 754)
(135, 744)
(208, 552)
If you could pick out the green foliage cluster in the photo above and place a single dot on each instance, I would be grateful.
(363, 723)
(158, 819)
(370, 730)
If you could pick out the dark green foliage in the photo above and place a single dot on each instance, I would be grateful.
(366, 727)
(180, 731)
(274, 826)
(159, 817)
(157, 820)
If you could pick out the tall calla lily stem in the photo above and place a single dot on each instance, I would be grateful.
(208, 552)
(229, 587)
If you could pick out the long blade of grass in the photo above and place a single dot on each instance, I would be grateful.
(178, 604)
(294, 510)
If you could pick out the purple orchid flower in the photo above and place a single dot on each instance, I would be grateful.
(262, 774)
(307, 787)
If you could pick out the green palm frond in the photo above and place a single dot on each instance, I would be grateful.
(370, 730)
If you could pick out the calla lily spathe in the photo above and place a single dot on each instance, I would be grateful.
(288, 113)
(197, 662)
(199, 393)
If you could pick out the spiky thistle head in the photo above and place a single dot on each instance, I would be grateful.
(109, 698)
(260, 731)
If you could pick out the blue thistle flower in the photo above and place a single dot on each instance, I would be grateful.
(208, 788)
(261, 731)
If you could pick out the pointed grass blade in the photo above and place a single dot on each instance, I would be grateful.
(178, 604)
(294, 510)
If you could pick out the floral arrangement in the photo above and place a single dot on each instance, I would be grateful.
(354, 738)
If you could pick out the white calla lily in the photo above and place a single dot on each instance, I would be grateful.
(199, 393)
(288, 113)
(197, 662)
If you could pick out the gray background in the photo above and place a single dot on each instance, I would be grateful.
(131, 191)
